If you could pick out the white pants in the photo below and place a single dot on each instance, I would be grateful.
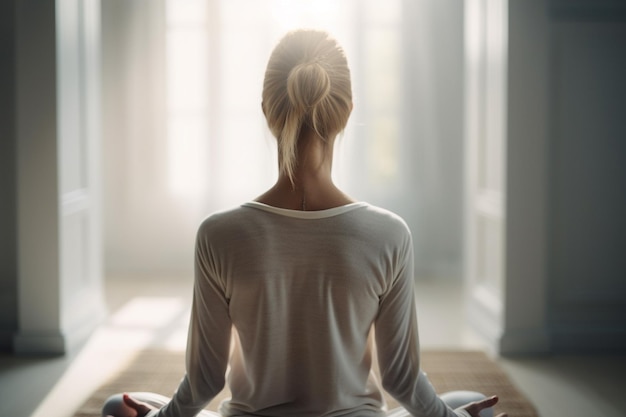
(114, 406)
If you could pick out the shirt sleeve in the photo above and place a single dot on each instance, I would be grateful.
(397, 343)
(208, 342)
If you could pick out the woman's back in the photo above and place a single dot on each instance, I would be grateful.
(302, 290)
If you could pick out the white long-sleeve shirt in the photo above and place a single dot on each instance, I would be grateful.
(300, 292)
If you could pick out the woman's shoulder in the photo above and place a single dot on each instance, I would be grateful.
(379, 226)
(385, 218)
(223, 220)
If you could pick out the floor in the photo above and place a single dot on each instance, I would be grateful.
(154, 314)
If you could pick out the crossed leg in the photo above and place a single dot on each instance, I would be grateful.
(115, 406)
(454, 399)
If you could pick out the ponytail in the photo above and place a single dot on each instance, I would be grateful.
(308, 84)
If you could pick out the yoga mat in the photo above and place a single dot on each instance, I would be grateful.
(160, 371)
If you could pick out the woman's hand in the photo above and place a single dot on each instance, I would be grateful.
(475, 407)
(140, 408)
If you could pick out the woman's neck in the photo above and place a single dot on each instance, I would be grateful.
(313, 196)
(312, 187)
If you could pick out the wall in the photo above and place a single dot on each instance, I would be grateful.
(587, 266)
(524, 315)
(56, 250)
(562, 280)
(8, 178)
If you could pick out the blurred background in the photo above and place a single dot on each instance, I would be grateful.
(495, 128)
(184, 135)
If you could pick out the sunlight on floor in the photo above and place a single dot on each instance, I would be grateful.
(141, 323)
(148, 312)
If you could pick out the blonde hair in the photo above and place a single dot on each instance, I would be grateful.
(307, 83)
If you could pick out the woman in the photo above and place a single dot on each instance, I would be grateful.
(306, 279)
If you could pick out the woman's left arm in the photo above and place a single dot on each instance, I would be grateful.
(208, 343)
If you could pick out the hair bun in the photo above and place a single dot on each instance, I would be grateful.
(307, 84)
